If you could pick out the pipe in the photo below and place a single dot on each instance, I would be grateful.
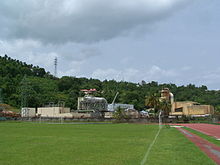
(171, 98)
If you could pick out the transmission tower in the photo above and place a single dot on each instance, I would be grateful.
(1, 97)
(55, 67)
(26, 92)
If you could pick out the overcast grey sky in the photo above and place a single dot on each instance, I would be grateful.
(169, 41)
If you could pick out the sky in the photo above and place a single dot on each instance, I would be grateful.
(168, 41)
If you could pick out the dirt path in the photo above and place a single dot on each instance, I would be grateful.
(208, 129)
(210, 149)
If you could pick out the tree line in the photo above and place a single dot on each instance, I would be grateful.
(23, 84)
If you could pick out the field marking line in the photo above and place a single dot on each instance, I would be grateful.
(150, 147)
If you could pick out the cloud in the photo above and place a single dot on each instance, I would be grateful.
(210, 78)
(84, 21)
(71, 57)
(136, 75)
(161, 75)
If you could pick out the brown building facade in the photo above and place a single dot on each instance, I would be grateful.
(189, 108)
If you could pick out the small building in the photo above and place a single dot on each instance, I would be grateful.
(28, 112)
(190, 108)
(54, 112)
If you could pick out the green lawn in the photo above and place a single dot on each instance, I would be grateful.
(107, 144)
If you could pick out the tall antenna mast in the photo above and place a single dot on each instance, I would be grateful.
(1, 97)
(24, 92)
(55, 67)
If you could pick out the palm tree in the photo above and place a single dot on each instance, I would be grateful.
(153, 101)
(165, 106)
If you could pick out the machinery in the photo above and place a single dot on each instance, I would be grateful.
(91, 103)
(167, 95)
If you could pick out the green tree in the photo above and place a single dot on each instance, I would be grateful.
(153, 101)
(119, 115)
(165, 106)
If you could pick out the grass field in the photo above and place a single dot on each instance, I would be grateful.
(107, 144)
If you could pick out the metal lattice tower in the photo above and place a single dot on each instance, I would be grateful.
(55, 66)
(26, 92)
(1, 97)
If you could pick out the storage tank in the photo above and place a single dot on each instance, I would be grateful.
(92, 103)
(167, 95)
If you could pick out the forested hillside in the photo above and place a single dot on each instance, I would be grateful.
(28, 85)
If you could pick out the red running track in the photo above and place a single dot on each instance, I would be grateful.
(208, 129)
(210, 149)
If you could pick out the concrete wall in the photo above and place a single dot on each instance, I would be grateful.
(81, 115)
(114, 107)
(58, 112)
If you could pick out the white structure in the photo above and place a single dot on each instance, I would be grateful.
(167, 95)
(92, 103)
(114, 107)
(54, 112)
(28, 112)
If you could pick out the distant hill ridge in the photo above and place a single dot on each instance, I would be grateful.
(27, 85)
(13, 68)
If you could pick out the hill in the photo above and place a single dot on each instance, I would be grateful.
(23, 84)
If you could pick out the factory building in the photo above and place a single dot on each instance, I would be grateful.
(186, 108)
(91, 103)
(167, 95)
(189, 108)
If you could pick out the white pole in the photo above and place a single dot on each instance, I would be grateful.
(143, 162)
(160, 120)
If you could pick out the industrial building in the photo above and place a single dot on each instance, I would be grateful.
(167, 95)
(90, 103)
(189, 108)
(186, 108)
(54, 112)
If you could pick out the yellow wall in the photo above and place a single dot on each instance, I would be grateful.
(191, 108)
